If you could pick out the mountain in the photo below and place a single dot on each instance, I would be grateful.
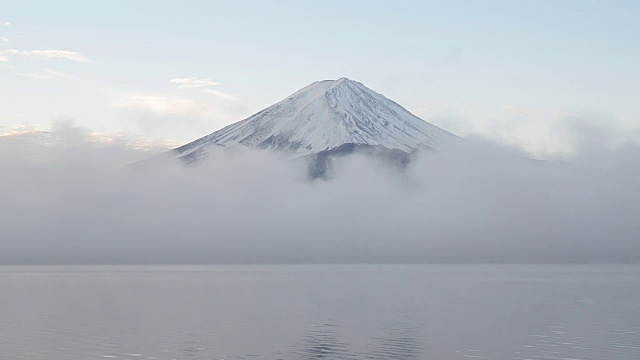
(323, 116)
(322, 120)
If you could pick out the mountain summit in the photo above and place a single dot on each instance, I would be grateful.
(324, 116)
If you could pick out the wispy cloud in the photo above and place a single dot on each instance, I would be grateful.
(193, 82)
(5, 23)
(46, 74)
(220, 94)
(158, 103)
(46, 54)
(204, 85)
(61, 54)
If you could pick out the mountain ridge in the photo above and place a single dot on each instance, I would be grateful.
(322, 116)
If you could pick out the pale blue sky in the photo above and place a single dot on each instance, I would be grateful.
(512, 71)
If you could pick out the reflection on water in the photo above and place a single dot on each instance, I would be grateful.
(320, 312)
(323, 342)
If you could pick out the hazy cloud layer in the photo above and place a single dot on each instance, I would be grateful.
(70, 201)
(181, 116)
(543, 133)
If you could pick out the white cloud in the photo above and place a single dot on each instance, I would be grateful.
(193, 82)
(5, 23)
(46, 54)
(4, 39)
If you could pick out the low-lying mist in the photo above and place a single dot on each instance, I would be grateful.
(72, 201)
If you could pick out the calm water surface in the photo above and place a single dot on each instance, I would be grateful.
(320, 312)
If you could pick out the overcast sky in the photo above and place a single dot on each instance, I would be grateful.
(166, 72)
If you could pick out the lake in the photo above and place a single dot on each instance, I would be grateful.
(320, 312)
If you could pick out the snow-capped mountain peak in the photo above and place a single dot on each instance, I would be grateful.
(323, 116)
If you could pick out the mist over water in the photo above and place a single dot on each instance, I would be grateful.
(71, 201)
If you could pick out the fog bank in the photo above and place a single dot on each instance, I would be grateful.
(71, 201)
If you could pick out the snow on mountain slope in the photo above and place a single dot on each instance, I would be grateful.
(324, 116)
